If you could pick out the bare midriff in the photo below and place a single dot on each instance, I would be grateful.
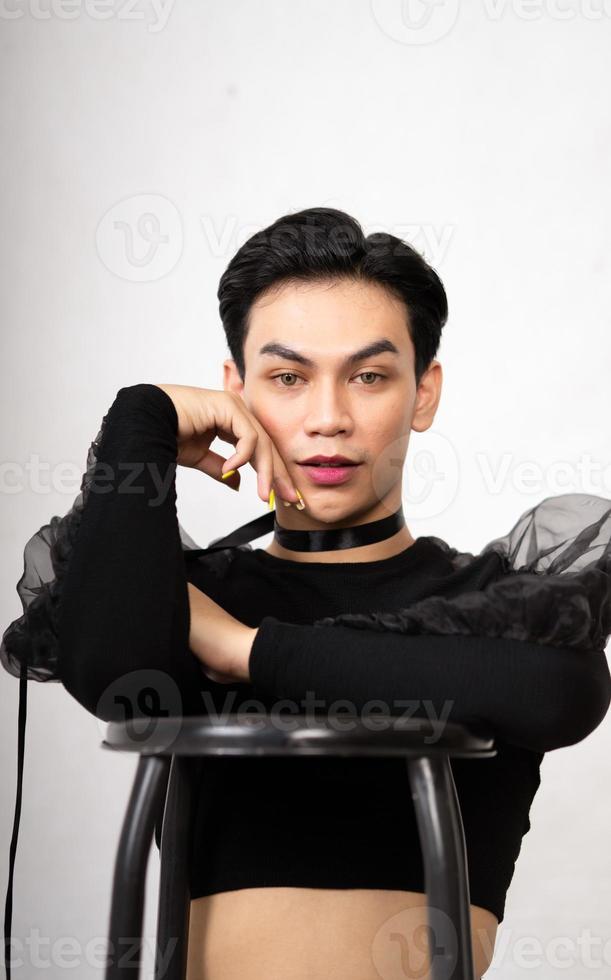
(320, 934)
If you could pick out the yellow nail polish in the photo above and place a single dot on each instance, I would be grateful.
(228, 473)
(272, 498)
(301, 504)
(287, 503)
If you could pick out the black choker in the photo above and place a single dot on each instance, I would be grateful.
(341, 537)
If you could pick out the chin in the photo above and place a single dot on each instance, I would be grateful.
(334, 511)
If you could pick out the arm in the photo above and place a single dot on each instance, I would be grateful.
(219, 641)
(535, 696)
(123, 621)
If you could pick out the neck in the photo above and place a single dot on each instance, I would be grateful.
(392, 544)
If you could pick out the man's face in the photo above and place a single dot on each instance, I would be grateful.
(363, 410)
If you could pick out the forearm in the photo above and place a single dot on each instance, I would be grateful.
(529, 694)
(124, 604)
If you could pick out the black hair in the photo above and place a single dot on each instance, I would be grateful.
(324, 244)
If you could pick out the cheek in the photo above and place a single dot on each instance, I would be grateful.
(259, 407)
(279, 422)
(385, 427)
(277, 427)
(386, 438)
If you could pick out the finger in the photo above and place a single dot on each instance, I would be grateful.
(213, 464)
(253, 445)
(263, 461)
(282, 479)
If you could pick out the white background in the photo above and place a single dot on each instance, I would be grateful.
(482, 137)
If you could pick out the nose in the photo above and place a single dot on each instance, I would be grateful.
(327, 410)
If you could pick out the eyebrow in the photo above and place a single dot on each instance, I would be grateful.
(382, 346)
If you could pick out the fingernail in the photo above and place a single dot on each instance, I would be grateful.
(272, 498)
(287, 503)
(228, 473)
(301, 504)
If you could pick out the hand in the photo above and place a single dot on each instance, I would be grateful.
(220, 641)
(204, 414)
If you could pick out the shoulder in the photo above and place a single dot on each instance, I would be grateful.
(547, 581)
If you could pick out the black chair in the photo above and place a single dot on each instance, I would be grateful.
(163, 788)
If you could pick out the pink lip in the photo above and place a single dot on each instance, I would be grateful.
(326, 475)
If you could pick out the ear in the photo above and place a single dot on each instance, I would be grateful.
(427, 397)
(231, 377)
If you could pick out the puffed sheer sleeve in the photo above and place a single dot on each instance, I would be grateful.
(104, 588)
(555, 588)
(523, 657)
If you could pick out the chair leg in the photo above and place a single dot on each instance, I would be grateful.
(127, 905)
(444, 854)
(174, 895)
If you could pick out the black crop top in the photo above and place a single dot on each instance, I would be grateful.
(308, 821)
(329, 823)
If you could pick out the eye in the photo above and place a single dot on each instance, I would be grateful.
(291, 374)
(372, 374)
(285, 374)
